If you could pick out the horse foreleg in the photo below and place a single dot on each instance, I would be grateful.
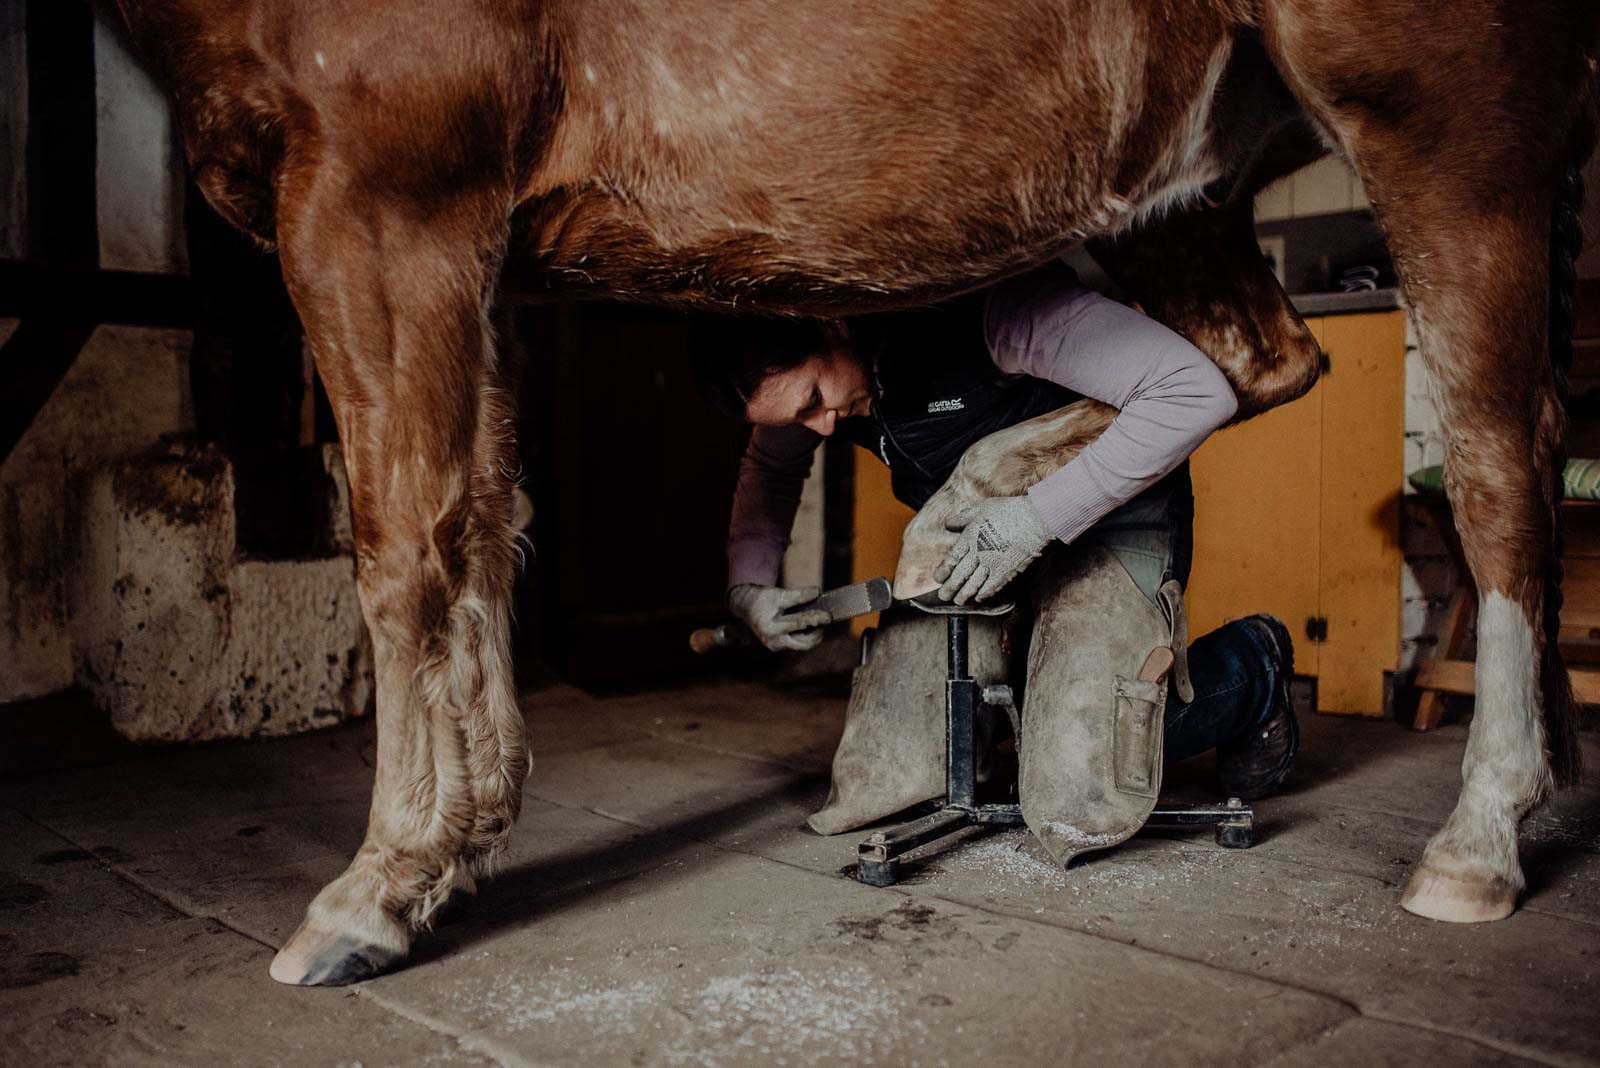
(1467, 212)
(394, 301)
(1482, 338)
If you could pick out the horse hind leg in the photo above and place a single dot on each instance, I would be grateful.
(1467, 213)
(393, 297)
(1201, 274)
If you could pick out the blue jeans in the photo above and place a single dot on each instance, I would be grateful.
(1234, 669)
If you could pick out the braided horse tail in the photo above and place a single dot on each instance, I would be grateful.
(1561, 710)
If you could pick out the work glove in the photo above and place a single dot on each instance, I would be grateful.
(999, 538)
(764, 609)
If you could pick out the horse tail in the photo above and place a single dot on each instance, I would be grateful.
(1561, 710)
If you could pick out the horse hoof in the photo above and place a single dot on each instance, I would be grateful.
(1440, 895)
(455, 906)
(313, 957)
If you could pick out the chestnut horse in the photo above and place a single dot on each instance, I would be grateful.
(830, 156)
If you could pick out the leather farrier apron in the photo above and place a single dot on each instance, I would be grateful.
(1090, 751)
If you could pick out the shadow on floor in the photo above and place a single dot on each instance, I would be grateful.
(529, 892)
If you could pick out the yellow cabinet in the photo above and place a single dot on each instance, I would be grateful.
(1297, 514)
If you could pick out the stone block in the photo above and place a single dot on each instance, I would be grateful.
(304, 661)
(180, 639)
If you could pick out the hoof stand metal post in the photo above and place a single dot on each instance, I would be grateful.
(878, 858)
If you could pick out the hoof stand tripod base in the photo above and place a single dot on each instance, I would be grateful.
(878, 858)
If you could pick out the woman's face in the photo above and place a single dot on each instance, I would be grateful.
(816, 394)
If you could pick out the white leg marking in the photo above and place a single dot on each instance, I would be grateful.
(1469, 872)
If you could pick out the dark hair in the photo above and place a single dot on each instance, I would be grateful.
(731, 355)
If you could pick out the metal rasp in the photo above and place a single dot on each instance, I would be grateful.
(846, 602)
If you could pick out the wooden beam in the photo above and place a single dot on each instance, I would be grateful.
(1457, 676)
(63, 223)
(59, 307)
(85, 295)
(32, 364)
(1453, 642)
(1447, 676)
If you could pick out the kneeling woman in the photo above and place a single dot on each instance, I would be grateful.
(1104, 541)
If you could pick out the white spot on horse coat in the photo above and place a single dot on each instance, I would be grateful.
(666, 81)
(322, 60)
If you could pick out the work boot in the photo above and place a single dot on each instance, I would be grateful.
(1256, 765)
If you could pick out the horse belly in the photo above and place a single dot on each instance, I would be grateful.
(813, 157)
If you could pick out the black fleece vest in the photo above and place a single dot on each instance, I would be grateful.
(937, 391)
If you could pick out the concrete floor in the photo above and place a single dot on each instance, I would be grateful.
(663, 905)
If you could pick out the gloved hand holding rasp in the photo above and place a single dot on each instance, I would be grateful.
(790, 619)
(765, 610)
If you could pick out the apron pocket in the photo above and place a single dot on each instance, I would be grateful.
(1136, 734)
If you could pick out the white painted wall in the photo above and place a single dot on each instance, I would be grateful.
(1325, 187)
(139, 177)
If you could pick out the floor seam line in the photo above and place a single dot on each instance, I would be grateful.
(733, 754)
(185, 907)
(1536, 1057)
(1379, 880)
(1355, 1008)
(1349, 1006)
(466, 1038)
(175, 902)
(1537, 911)
(1326, 870)
(1427, 822)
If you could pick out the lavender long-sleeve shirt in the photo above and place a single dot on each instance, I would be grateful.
(1169, 397)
